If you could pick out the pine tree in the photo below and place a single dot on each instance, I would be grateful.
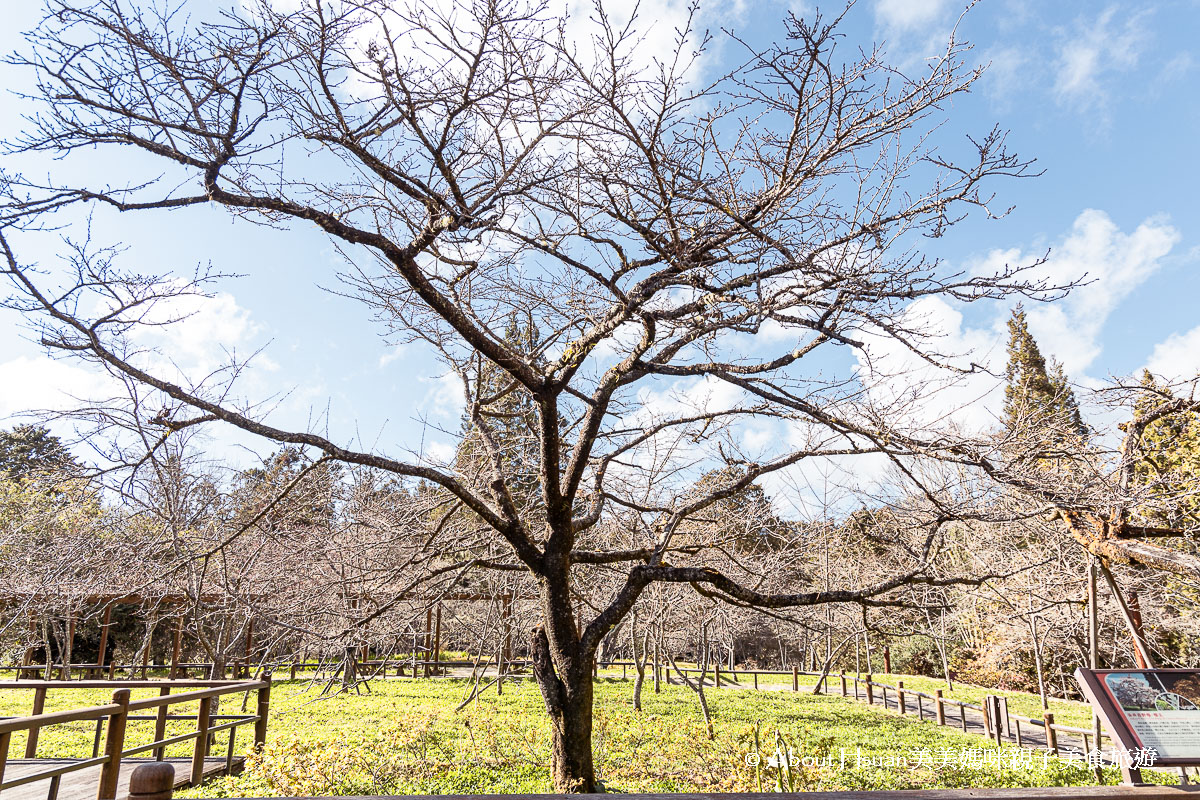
(29, 450)
(1037, 397)
(1169, 461)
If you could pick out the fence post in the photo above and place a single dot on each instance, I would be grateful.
(988, 722)
(114, 743)
(39, 704)
(1051, 734)
(5, 739)
(716, 675)
(263, 708)
(939, 709)
(1002, 720)
(756, 679)
(842, 675)
(201, 750)
(152, 782)
(795, 678)
(160, 725)
(900, 697)
(887, 660)
(870, 690)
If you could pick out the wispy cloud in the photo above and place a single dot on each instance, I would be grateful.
(908, 14)
(1091, 51)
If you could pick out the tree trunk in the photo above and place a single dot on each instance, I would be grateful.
(639, 662)
(567, 691)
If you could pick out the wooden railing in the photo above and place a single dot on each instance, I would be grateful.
(996, 718)
(119, 712)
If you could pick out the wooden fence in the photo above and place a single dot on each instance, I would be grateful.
(118, 713)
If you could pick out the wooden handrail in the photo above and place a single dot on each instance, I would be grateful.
(118, 713)
(147, 684)
(187, 697)
(58, 717)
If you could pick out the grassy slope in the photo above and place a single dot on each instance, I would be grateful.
(404, 737)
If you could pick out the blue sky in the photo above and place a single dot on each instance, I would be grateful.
(1103, 96)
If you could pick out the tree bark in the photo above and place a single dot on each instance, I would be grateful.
(567, 691)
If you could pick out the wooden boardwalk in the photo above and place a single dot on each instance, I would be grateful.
(81, 785)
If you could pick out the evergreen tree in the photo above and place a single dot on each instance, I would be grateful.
(31, 450)
(1169, 461)
(1037, 396)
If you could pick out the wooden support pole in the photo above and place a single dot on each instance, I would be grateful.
(160, 725)
(657, 673)
(887, 660)
(5, 741)
(1139, 637)
(1094, 632)
(249, 649)
(437, 641)
(870, 690)
(176, 649)
(100, 660)
(842, 675)
(68, 654)
(39, 704)
(428, 638)
(899, 692)
(716, 674)
(201, 748)
(1051, 734)
(795, 678)
(263, 710)
(939, 709)
(114, 743)
(1139, 643)
(989, 723)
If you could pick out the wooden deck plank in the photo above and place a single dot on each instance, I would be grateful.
(81, 785)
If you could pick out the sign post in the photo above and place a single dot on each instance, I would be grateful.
(1152, 715)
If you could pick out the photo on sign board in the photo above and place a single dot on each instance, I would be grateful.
(1146, 691)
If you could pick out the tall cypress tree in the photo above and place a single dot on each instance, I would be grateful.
(1037, 396)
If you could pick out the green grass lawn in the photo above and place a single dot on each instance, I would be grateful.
(405, 737)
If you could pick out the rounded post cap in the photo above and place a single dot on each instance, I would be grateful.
(155, 779)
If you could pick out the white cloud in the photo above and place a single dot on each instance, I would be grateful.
(1070, 329)
(907, 14)
(40, 383)
(1091, 51)
(925, 395)
(193, 335)
(1007, 75)
(1113, 262)
(445, 396)
(1117, 263)
(1178, 357)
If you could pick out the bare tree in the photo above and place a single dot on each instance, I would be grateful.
(484, 167)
